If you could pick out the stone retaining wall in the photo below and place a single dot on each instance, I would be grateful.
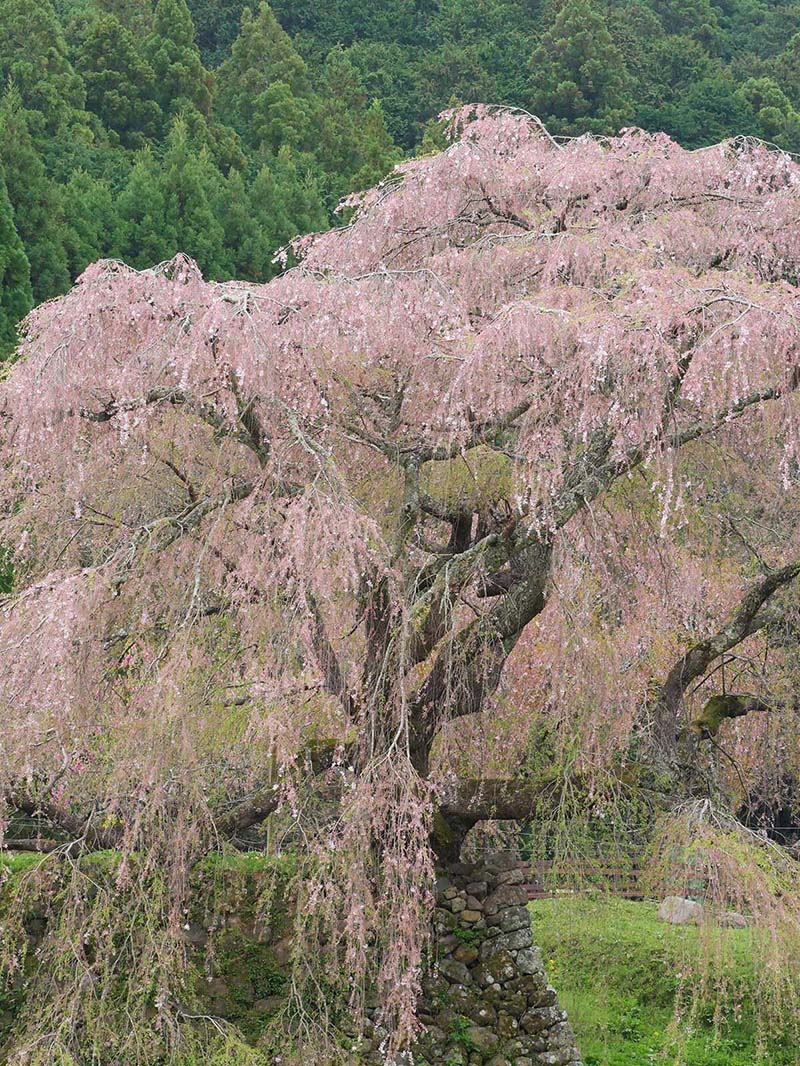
(487, 1000)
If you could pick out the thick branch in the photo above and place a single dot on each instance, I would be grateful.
(177, 525)
(254, 436)
(487, 432)
(40, 845)
(749, 616)
(476, 799)
(465, 802)
(327, 659)
(718, 708)
(316, 758)
(76, 825)
(467, 670)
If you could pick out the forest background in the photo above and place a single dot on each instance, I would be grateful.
(135, 129)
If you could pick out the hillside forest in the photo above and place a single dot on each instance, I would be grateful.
(135, 129)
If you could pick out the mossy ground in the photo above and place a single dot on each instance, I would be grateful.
(617, 970)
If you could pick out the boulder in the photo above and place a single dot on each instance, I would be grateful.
(679, 911)
(733, 920)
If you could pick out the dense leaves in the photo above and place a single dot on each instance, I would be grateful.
(16, 297)
(325, 98)
(36, 200)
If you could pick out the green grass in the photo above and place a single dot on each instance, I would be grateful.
(617, 970)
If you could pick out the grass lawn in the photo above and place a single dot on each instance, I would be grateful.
(617, 970)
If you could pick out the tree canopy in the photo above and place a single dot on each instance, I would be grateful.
(459, 519)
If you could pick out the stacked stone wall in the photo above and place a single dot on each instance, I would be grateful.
(486, 998)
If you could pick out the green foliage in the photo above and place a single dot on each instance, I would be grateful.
(217, 24)
(287, 108)
(265, 83)
(191, 184)
(353, 146)
(175, 59)
(282, 201)
(459, 1032)
(118, 911)
(36, 200)
(141, 235)
(778, 120)
(704, 113)
(33, 53)
(579, 80)
(473, 938)
(16, 297)
(90, 214)
(120, 83)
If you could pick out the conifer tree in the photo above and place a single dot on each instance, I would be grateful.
(135, 15)
(173, 206)
(282, 202)
(238, 224)
(279, 117)
(217, 23)
(705, 112)
(301, 207)
(175, 58)
(353, 146)
(262, 57)
(787, 68)
(142, 235)
(35, 199)
(222, 142)
(192, 184)
(90, 214)
(120, 83)
(777, 119)
(378, 152)
(578, 78)
(33, 52)
(16, 298)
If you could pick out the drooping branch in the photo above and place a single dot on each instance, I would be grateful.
(469, 670)
(486, 432)
(594, 471)
(315, 759)
(634, 457)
